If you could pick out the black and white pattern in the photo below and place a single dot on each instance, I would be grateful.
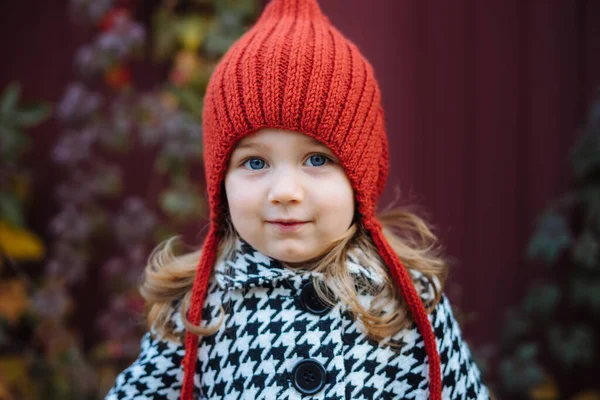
(266, 332)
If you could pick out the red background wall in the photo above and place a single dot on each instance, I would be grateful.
(483, 101)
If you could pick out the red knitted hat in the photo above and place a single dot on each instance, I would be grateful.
(295, 71)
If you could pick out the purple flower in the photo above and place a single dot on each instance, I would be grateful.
(71, 224)
(82, 187)
(128, 269)
(120, 125)
(107, 179)
(86, 61)
(87, 11)
(68, 192)
(183, 138)
(153, 115)
(119, 43)
(112, 44)
(97, 8)
(117, 323)
(74, 147)
(131, 32)
(78, 104)
(134, 223)
(51, 301)
(67, 262)
(137, 34)
(114, 267)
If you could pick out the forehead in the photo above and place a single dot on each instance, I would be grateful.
(269, 136)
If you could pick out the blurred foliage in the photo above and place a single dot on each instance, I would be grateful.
(18, 243)
(131, 164)
(549, 345)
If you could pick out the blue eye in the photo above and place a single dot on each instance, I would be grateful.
(318, 160)
(254, 164)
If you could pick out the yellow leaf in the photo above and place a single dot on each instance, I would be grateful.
(192, 32)
(22, 186)
(20, 244)
(587, 395)
(14, 377)
(545, 391)
(3, 391)
(11, 368)
(13, 300)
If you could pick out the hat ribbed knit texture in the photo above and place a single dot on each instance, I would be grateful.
(293, 70)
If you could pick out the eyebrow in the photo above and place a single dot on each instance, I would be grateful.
(250, 144)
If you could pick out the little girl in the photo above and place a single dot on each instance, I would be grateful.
(299, 289)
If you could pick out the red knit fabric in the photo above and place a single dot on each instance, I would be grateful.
(295, 71)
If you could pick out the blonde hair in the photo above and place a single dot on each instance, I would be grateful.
(168, 278)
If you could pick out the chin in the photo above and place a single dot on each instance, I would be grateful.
(293, 254)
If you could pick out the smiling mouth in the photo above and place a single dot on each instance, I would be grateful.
(287, 225)
(287, 222)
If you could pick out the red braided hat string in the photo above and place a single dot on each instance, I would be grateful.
(404, 282)
(199, 289)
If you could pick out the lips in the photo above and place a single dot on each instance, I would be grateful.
(287, 225)
(287, 221)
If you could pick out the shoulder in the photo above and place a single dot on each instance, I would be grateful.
(461, 375)
(426, 287)
(156, 373)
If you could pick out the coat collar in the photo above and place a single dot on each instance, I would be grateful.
(246, 267)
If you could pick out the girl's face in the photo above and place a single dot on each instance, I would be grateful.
(288, 195)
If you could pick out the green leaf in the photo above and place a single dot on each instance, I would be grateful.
(585, 252)
(585, 154)
(551, 237)
(527, 351)
(572, 345)
(541, 300)
(109, 182)
(516, 326)
(32, 115)
(585, 292)
(14, 143)
(164, 23)
(9, 99)
(163, 233)
(217, 42)
(119, 141)
(11, 210)
(590, 199)
(519, 375)
(180, 203)
(241, 8)
(162, 165)
(190, 100)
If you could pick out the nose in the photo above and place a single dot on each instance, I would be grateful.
(285, 188)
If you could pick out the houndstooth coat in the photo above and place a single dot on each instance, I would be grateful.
(278, 341)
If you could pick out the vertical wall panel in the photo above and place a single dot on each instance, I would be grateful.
(439, 148)
(491, 248)
(589, 41)
(549, 97)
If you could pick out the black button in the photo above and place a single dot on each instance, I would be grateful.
(309, 376)
(311, 302)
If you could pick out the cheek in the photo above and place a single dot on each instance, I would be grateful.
(337, 204)
(241, 200)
